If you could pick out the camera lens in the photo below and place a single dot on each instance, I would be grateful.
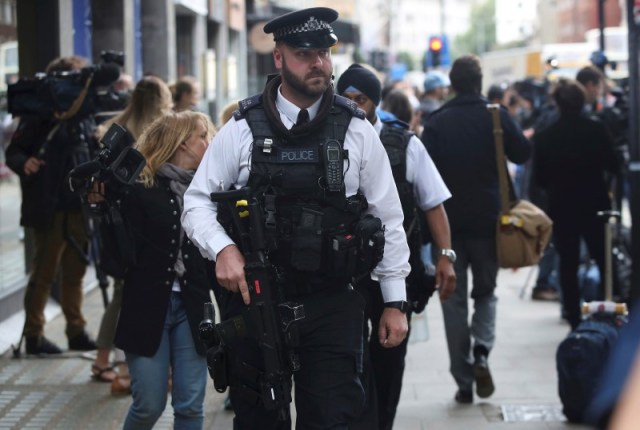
(123, 173)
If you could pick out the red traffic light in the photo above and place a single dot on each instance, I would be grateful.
(435, 44)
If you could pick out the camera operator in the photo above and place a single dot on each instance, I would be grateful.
(42, 152)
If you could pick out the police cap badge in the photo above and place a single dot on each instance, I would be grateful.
(306, 28)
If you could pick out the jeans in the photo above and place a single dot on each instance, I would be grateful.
(480, 254)
(548, 269)
(149, 376)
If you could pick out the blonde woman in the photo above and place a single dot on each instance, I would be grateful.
(164, 291)
(150, 99)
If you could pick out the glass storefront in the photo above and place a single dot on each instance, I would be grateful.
(12, 257)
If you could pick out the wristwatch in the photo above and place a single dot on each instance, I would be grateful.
(449, 253)
(400, 304)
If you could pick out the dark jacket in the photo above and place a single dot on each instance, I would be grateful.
(570, 160)
(153, 218)
(47, 191)
(459, 138)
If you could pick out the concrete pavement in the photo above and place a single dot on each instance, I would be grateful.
(58, 393)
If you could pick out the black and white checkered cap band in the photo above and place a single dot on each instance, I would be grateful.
(312, 24)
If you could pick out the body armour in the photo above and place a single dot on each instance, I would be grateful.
(420, 286)
(395, 139)
(309, 229)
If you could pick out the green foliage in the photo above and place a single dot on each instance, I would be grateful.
(358, 57)
(406, 58)
(481, 36)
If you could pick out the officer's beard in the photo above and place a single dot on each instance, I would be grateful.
(301, 86)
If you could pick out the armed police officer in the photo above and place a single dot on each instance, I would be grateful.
(422, 193)
(284, 145)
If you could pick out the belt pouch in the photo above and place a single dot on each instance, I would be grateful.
(306, 246)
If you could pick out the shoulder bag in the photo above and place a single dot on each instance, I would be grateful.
(523, 229)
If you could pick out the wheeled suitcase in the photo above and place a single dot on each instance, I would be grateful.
(581, 357)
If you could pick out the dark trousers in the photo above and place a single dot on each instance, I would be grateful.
(383, 367)
(328, 390)
(54, 252)
(464, 336)
(568, 233)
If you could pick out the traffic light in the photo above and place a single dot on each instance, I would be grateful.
(435, 49)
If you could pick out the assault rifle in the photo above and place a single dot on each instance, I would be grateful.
(270, 319)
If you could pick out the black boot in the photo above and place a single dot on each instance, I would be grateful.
(481, 373)
(41, 345)
(82, 342)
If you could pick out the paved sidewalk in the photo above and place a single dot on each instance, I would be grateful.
(57, 393)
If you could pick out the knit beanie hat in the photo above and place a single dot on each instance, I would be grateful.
(362, 80)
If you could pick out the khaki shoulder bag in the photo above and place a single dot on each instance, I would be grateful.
(523, 229)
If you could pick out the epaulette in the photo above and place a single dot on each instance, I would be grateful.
(245, 105)
(349, 105)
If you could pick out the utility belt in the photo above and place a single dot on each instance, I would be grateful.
(295, 287)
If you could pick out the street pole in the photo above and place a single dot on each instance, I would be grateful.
(442, 18)
(601, 24)
(633, 23)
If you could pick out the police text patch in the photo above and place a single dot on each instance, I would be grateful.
(298, 155)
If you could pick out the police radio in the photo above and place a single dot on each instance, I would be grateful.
(333, 162)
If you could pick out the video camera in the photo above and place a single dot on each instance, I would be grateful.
(536, 91)
(74, 92)
(616, 116)
(117, 165)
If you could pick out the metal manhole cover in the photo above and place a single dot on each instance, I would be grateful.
(526, 413)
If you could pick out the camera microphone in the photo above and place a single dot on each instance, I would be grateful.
(104, 74)
(85, 170)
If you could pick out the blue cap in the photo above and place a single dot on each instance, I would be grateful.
(435, 79)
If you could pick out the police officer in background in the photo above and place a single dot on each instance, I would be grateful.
(422, 193)
(274, 146)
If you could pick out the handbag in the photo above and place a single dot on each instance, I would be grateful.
(523, 229)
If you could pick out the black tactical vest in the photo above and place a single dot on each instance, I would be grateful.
(303, 219)
(395, 140)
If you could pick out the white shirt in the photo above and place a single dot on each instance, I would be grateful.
(429, 189)
(227, 162)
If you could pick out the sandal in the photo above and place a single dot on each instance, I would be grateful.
(103, 374)
(121, 385)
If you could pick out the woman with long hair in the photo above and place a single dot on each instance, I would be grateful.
(165, 290)
(150, 99)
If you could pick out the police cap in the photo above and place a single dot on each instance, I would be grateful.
(306, 28)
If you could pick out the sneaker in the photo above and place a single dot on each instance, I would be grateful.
(482, 375)
(82, 342)
(464, 397)
(41, 345)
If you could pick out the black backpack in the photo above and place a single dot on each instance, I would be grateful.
(395, 138)
(580, 361)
